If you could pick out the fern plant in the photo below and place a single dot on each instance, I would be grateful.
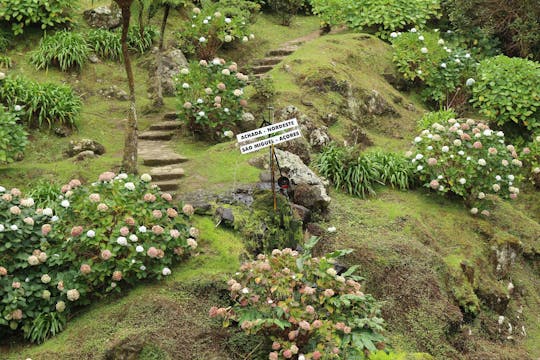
(64, 49)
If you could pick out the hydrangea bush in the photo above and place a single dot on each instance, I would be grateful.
(117, 231)
(445, 70)
(303, 307)
(467, 158)
(211, 96)
(208, 29)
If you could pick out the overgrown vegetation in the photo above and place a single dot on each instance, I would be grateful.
(45, 13)
(13, 138)
(65, 49)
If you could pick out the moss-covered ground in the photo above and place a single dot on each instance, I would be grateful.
(431, 263)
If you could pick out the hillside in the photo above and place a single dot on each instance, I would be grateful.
(445, 277)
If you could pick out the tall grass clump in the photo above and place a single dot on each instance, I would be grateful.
(105, 44)
(64, 49)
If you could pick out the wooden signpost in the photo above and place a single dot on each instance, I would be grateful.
(275, 134)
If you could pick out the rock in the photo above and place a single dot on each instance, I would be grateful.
(312, 197)
(396, 81)
(94, 59)
(77, 146)
(225, 216)
(377, 105)
(172, 61)
(201, 201)
(302, 212)
(248, 122)
(363, 105)
(103, 17)
(63, 131)
(410, 107)
(257, 162)
(307, 103)
(114, 92)
(330, 119)
(87, 154)
(356, 135)
(265, 176)
(298, 147)
(319, 138)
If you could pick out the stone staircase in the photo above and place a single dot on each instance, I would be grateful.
(273, 57)
(156, 152)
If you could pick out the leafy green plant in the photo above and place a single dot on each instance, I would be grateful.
(5, 62)
(467, 158)
(303, 307)
(13, 138)
(384, 16)
(4, 40)
(507, 91)
(358, 174)
(65, 49)
(106, 44)
(45, 193)
(209, 29)
(94, 241)
(143, 43)
(441, 117)
(43, 104)
(211, 97)
(46, 13)
(427, 59)
(265, 89)
(285, 9)
(240, 9)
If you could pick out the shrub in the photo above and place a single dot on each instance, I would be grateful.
(240, 9)
(106, 44)
(42, 104)
(507, 90)
(4, 40)
(211, 97)
(13, 138)
(265, 89)
(208, 29)
(97, 238)
(5, 62)
(426, 58)
(302, 306)
(468, 159)
(138, 43)
(514, 24)
(431, 118)
(64, 49)
(383, 16)
(286, 9)
(46, 13)
(358, 174)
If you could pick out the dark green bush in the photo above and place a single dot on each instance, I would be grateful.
(285, 9)
(46, 13)
(43, 104)
(64, 49)
(516, 24)
(13, 138)
(105, 44)
(507, 90)
(358, 174)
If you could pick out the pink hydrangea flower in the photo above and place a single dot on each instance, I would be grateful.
(76, 231)
(3, 271)
(329, 292)
(477, 145)
(74, 183)
(15, 210)
(149, 197)
(130, 221)
(317, 324)
(492, 151)
(188, 210)
(124, 231)
(156, 229)
(86, 269)
(17, 314)
(102, 207)
(221, 86)
(287, 354)
(15, 192)
(174, 233)
(152, 252)
(434, 184)
(273, 356)
(432, 161)
(106, 255)
(157, 214)
(304, 325)
(172, 213)
(166, 197)
(16, 285)
(94, 197)
(316, 355)
(107, 176)
(117, 276)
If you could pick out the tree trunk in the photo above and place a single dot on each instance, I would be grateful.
(158, 99)
(129, 161)
(141, 20)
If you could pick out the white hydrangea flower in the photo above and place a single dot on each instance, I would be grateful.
(122, 176)
(228, 38)
(470, 82)
(417, 139)
(130, 186)
(91, 233)
(121, 241)
(462, 181)
(413, 30)
(184, 71)
(139, 249)
(331, 229)
(443, 65)
(65, 204)
(14, 227)
(133, 238)
(142, 229)
(185, 85)
(166, 271)
(146, 177)
(440, 42)
(142, 268)
(421, 38)
(445, 149)
(424, 50)
(419, 156)
(482, 162)
(228, 20)
(393, 35)
(47, 212)
(55, 218)
(202, 39)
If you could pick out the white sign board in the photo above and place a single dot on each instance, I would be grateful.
(278, 139)
(267, 130)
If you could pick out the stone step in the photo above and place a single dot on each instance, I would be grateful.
(170, 116)
(273, 60)
(285, 51)
(162, 160)
(167, 185)
(169, 172)
(156, 135)
(261, 69)
(166, 125)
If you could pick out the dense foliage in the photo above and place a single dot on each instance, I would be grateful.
(426, 58)
(208, 29)
(138, 43)
(467, 158)
(46, 13)
(43, 104)
(13, 138)
(285, 9)
(358, 174)
(105, 44)
(508, 90)
(303, 307)
(384, 17)
(117, 231)
(65, 49)
(515, 24)
(211, 97)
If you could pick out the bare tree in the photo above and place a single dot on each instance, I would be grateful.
(129, 161)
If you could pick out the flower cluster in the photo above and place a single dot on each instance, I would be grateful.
(209, 29)
(118, 230)
(211, 97)
(446, 70)
(308, 309)
(469, 159)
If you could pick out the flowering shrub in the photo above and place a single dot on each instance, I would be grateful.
(116, 231)
(506, 91)
(445, 70)
(209, 29)
(304, 307)
(13, 138)
(384, 16)
(467, 158)
(211, 96)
